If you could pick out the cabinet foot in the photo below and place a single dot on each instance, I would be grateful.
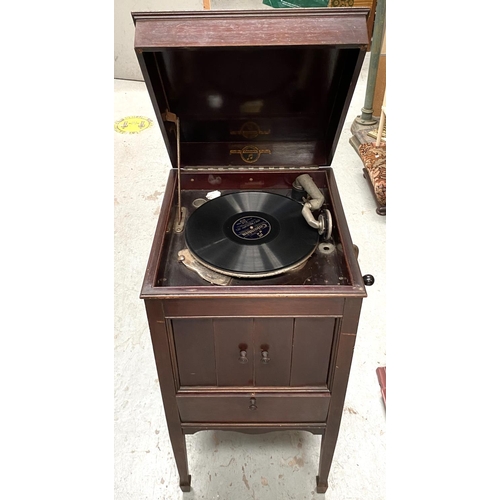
(321, 487)
(186, 485)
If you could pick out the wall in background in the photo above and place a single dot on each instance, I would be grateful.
(126, 66)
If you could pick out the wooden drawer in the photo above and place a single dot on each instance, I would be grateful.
(253, 407)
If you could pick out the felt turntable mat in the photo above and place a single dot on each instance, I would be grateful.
(250, 233)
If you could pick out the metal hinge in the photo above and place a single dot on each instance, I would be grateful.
(168, 116)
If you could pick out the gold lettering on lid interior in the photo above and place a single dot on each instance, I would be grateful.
(250, 130)
(250, 154)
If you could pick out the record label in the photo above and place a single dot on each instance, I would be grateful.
(251, 228)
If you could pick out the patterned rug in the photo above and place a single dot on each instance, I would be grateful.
(373, 158)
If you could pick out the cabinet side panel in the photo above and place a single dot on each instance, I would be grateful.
(312, 345)
(232, 336)
(273, 335)
(195, 351)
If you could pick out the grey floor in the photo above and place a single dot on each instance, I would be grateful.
(226, 465)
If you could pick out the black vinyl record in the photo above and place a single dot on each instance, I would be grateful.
(250, 234)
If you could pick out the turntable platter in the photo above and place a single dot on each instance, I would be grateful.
(250, 234)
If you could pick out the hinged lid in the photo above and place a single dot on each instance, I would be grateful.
(252, 88)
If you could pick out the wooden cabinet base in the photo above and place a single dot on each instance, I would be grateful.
(252, 408)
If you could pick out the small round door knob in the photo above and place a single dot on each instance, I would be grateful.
(265, 357)
(368, 279)
(252, 406)
(243, 357)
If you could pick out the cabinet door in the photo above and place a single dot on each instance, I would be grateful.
(234, 351)
(273, 351)
(194, 346)
(312, 347)
(262, 352)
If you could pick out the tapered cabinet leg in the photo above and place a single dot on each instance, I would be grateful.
(178, 441)
(340, 377)
(321, 487)
(160, 333)
(186, 486)
(325, 461)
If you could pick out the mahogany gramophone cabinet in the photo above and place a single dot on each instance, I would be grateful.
(252, 290)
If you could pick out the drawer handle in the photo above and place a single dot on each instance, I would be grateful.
(243, 357)
(252, 406)
(265, 357)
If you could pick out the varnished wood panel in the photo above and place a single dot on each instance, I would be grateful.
(254, 428)
(231, 337)
(312, 345)
(273, 335)
(232, 306)
(277, 153)
(371, 4)
(194, 344)
(269, 408)
(251, 28)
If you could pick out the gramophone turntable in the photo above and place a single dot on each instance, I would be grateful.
(252, 290)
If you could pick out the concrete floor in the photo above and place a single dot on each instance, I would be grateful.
(229, 465)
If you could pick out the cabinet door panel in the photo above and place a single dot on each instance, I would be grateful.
(312, 346)
(273, 335)
(232, 336)
(194, 345)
